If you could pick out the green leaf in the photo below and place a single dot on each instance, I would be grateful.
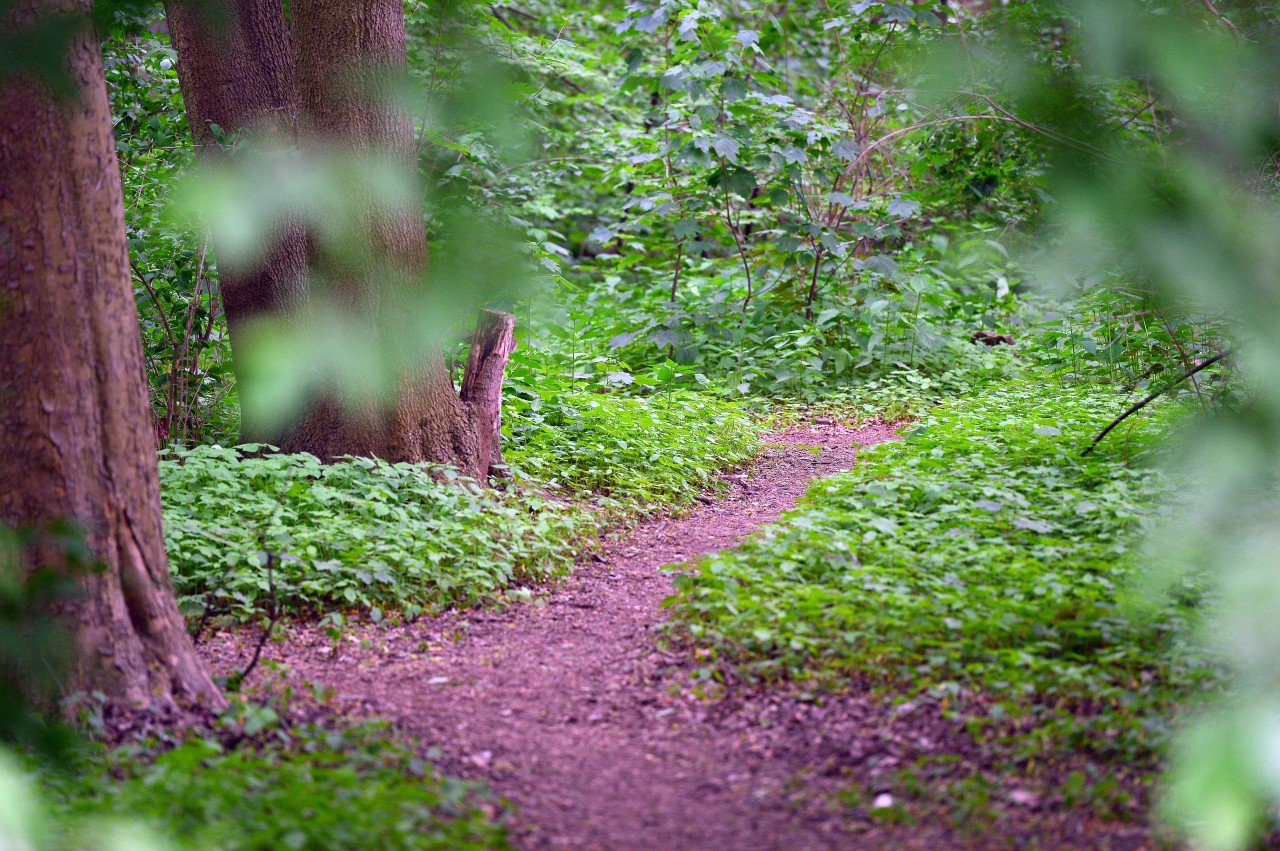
(727, 147)
(733, 89)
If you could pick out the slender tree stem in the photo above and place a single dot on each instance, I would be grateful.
(733, 230)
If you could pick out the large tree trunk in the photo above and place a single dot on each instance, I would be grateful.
(332, 90)
(235, 67)
(75, 435)
(348, 55)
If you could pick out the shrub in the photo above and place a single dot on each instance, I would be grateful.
(357, 534)
(321, 789)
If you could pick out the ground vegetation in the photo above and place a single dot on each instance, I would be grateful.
(1025, 249)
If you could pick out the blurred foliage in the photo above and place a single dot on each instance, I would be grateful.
(364, 348)
(34, 646)
(25, 818)
(1188, 210)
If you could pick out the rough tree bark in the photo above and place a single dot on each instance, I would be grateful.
(346, 53)
(75, 435)
(323, 79)
(235, 68)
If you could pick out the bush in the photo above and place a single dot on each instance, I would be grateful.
(644, 452)
(366, 534)
(357, 534)
(323, 789)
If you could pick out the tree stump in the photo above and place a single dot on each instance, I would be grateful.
(491, 347)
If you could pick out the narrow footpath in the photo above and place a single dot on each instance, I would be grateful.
(571, 708)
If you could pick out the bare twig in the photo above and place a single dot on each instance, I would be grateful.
(273, 615)
(1208, 4)
(735, 231)
(529, 163)
(1138, 114)
(1152, 397)
(813, 283)
(1183, 354)
(518, 12)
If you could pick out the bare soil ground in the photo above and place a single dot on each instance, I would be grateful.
(574, 708)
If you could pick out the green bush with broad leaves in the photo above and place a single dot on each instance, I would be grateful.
(246, 532)
(250, 532)
(640, 453)
(982, 551)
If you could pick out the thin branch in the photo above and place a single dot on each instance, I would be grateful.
(273, 615)
(1043, 131)
(155, 299)
(734, 231)
(911, 128)
(497, 13)
(543, 160)
(675, 279)
(1183, 354)
(1151, 398)
(1132, 118)
(1208, 4)
(518, 12)
(818, 254)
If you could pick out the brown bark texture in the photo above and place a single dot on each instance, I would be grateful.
(491, 347)
(325, 80)
(75, 435)
(235, 68)
(348, 55)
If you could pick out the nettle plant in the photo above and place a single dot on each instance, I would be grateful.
(774, 215)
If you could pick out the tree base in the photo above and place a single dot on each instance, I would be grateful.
(429, 422)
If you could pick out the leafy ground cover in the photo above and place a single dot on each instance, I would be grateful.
(313, 786)
(361, 534)
(904, 393)
(638, 453)
(251, 533)
(982, 553)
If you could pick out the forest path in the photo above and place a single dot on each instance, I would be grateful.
(570, 708)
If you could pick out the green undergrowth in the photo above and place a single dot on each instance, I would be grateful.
(905, 392)
(980, 552)
(245, 533)
(308, 788)
(639, 454)
(251, 534)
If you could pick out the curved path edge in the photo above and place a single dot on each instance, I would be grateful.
(571, 708)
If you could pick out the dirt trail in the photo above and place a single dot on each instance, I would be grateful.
(570, 708)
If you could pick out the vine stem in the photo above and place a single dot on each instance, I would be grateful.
(1152, 397)
(273, 615)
